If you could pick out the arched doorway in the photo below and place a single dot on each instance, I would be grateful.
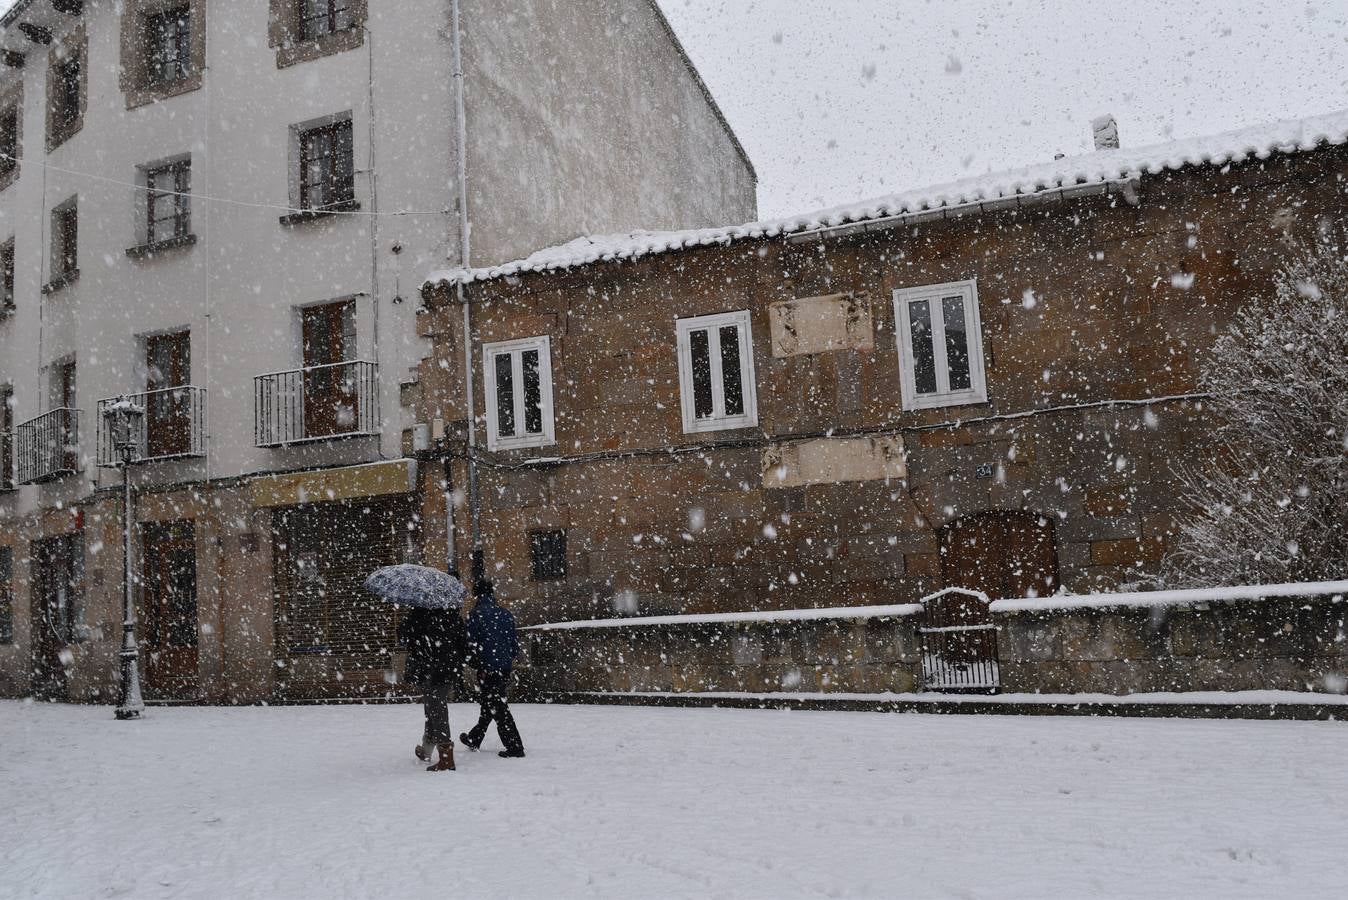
(1003, 553)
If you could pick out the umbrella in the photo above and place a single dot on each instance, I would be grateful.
(411, 585)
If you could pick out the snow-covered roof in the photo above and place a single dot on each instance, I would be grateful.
(1099, 168)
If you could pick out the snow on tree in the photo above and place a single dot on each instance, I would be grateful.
(1270, 504)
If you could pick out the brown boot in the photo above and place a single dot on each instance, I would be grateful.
(446, 763)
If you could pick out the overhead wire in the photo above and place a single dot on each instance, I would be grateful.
(48, 167)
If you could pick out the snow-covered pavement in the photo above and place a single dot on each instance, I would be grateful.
(626, 802)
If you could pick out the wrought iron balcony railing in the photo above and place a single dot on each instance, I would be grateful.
(317, 403)
(173, 426)
(49, 446)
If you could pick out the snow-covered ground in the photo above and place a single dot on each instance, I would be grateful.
(630, 802)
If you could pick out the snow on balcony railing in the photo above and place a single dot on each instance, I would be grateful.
(317, 403)
(48, 446)
(172, 426)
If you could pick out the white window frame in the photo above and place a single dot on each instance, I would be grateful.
(903, 336)
(516, 349)
(718, 420)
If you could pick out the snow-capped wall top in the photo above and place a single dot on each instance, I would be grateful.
(1102, 167)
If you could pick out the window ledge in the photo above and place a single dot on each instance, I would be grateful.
(308, 215)
(143, 251)
(145, 94)
(61, 281)
(318, 47)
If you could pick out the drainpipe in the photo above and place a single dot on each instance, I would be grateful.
(461, 161)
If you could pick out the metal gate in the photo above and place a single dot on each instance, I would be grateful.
(958, 642)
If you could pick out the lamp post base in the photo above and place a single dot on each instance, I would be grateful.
(132, 705)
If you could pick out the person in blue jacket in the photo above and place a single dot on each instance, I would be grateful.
(494, 645)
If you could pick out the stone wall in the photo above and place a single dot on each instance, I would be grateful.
(868, 655)
(1296, 645)
(1096, 313)
(1292, 645)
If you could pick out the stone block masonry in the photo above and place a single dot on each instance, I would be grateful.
(1290, 644)
(840, 494)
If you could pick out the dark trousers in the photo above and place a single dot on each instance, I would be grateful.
(435, 702)
(493, 687)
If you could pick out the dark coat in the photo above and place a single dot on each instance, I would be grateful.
(437, 646)
(491, 634)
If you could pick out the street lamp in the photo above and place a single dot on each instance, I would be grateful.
(123, 416)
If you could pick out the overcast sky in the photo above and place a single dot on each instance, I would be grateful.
(838, 100)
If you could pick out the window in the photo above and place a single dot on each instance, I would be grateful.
(547, 555)
(332, 391)
(518, 379)
(716, 372)
(6, 595)
(168, 45)
(67, 75)
(167, 207)
(65, 232)
(66, 424)
(305, 30)
(323, 17)
(7, 277)
(9, 141)
(327, 177)
(163, 49)
(940, 345)
(66, 102)
(6, 438)
(168, 412)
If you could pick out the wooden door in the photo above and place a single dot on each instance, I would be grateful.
(1001, 553)
(168, 413)
(169, 615)
(67, 430)
(58, 565)
(329, 388)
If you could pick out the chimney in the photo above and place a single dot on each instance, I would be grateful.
(1106, 132)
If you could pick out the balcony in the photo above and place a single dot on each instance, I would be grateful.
(317, 403)
(173, 427)
(49, 446)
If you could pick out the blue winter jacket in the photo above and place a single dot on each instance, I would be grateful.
(491, 633)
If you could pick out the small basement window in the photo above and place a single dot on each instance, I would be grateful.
(716, 372)
(547, 555)
(940, 345)
(518, 381)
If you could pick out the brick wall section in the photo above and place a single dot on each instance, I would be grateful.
(1107, 323)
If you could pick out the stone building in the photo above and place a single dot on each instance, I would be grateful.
(987, 384)
(225, 210)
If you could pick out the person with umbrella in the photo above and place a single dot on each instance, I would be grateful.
(436, 638)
